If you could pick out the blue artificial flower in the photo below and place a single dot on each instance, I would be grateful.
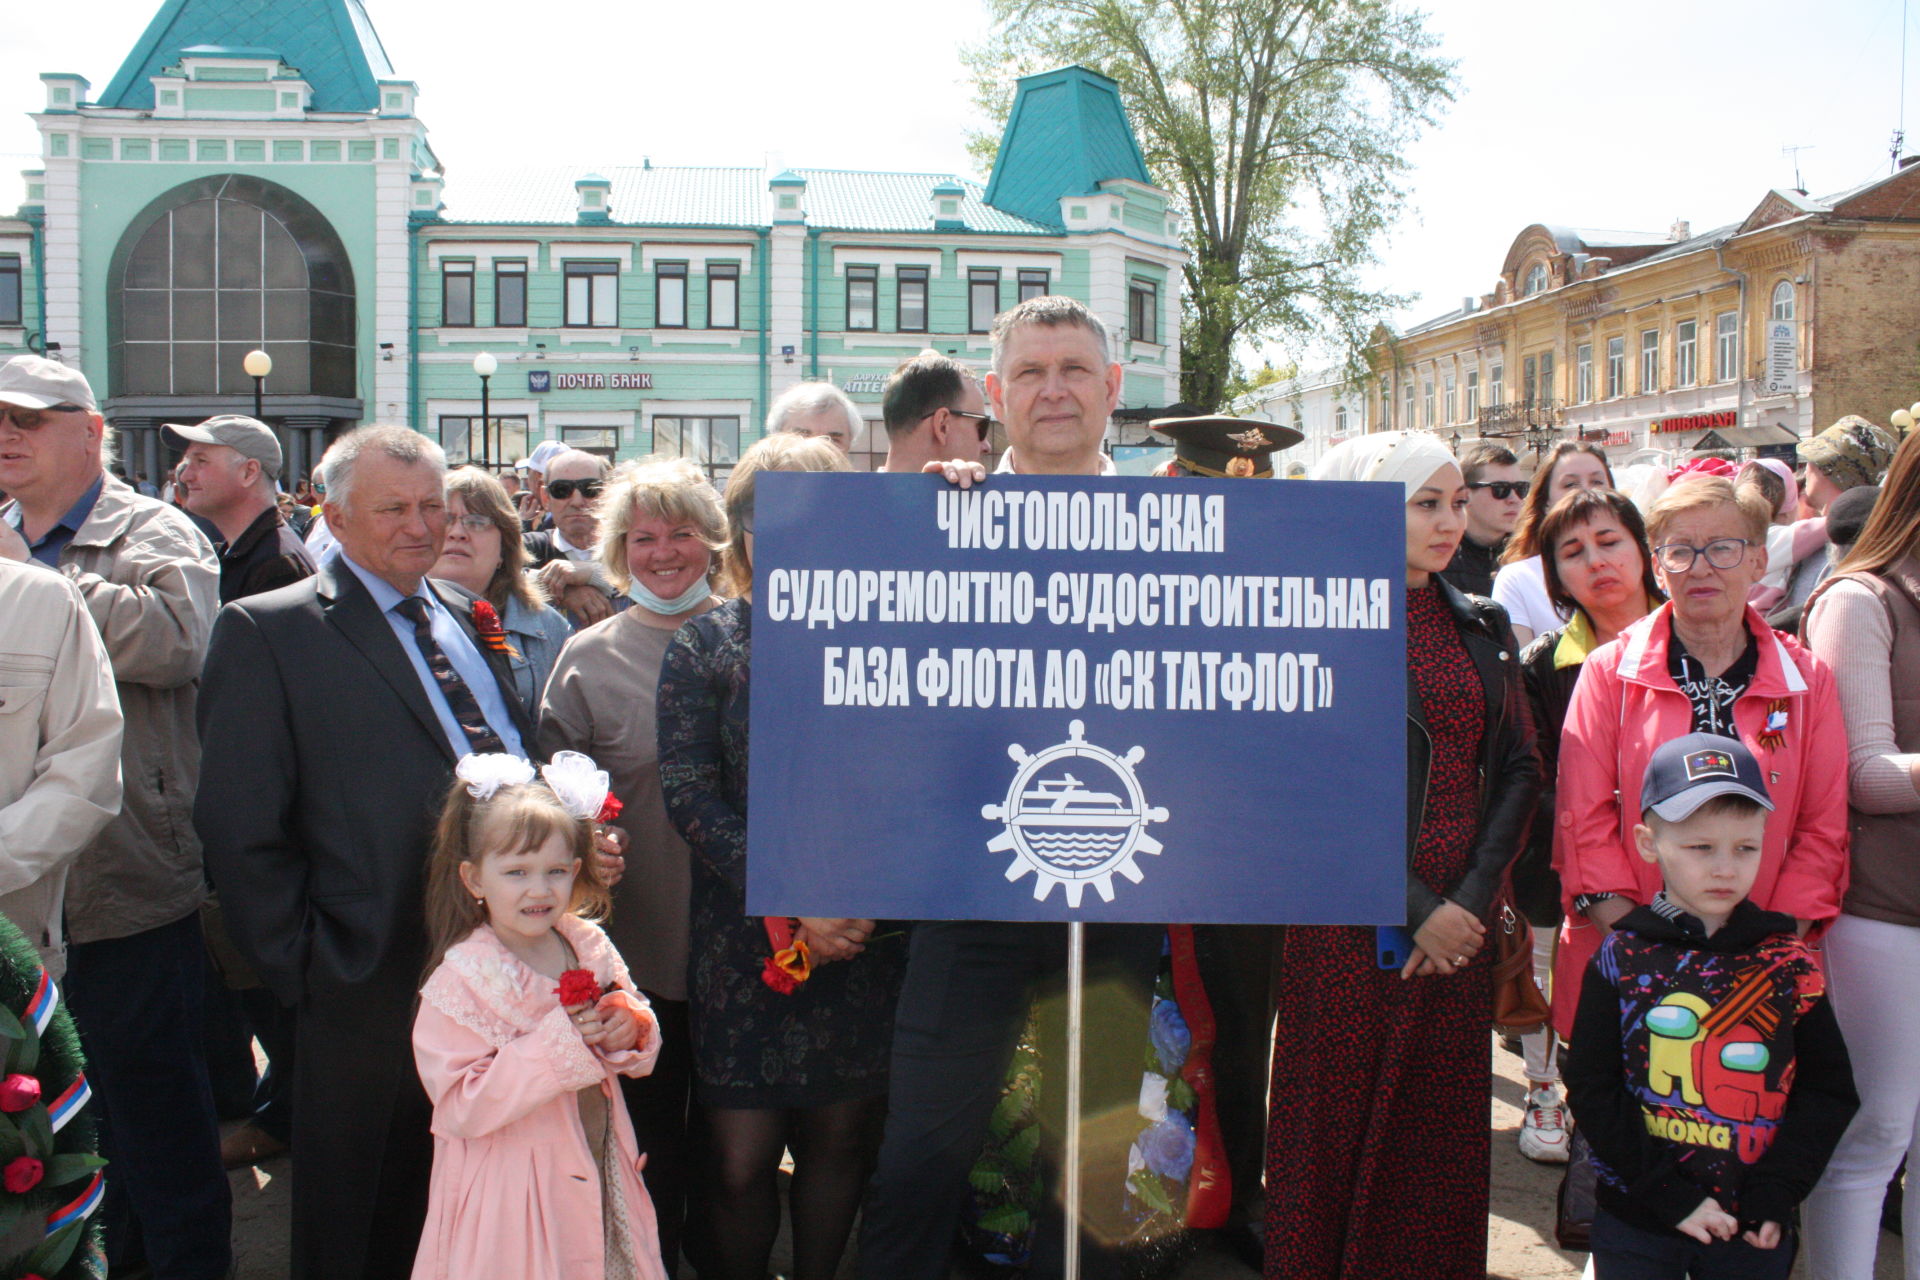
(1171, 1039)
(1168, 1147)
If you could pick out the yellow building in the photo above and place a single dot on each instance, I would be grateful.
(1751, 335)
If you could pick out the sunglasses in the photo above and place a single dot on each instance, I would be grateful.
(983, 423)
(34, 419)
(564, 489)
(1503, 489)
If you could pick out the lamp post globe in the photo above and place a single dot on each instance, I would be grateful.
(1901, 418)
(258, 365)
(486, 366)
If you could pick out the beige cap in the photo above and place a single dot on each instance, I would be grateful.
(34, 382)
(250, 437)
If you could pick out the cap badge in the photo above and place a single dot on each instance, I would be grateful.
(1253, 439)
(1710, 764)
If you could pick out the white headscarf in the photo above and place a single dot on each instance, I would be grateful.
(1408, 458)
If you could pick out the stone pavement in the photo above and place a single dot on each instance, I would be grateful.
(1519, 1231)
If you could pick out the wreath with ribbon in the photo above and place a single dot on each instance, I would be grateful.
(51, 1179)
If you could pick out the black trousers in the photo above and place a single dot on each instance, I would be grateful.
(137, 1002)
(968, 988)
(362, 1131)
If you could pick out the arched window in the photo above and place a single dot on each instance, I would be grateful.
(221, 266)
(1536, 280)
(1783, 300)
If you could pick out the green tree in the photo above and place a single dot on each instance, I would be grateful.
(1284, 126)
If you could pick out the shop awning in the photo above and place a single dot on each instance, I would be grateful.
(1745, 437)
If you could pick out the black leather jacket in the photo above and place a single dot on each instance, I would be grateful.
(1509, 769)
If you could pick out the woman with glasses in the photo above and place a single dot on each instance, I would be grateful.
(1521, 585)
(484, 554)
(1704, 662)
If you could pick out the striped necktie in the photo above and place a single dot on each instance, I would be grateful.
(460, 699)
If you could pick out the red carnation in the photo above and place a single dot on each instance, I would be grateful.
(578, 987)
(609, 809)
(22, 1175)
(487, 623)
(778, 978)
(18, 1092)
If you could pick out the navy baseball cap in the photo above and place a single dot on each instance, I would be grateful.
(1689, 771)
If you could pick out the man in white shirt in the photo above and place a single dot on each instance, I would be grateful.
(970, 984)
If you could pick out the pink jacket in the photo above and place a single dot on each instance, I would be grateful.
(515, 1193)
(1626, 705)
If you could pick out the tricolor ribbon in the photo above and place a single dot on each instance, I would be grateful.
(45, 1001)
(80, 1208)
(68, 1104)
(1774, 736)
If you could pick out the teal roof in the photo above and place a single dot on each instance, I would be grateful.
(730, 197)
(331, 42)
(1067, 133)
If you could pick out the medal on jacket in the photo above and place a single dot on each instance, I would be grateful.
(1774, 736)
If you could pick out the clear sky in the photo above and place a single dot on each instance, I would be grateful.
(1624, 115)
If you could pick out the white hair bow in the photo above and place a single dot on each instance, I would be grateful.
(581, 784)
(486, 774)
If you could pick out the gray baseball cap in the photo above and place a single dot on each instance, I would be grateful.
(251, 437)
(34, 382)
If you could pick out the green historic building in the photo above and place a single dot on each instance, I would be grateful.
(254, 177)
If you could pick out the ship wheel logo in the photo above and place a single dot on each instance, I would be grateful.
(1074, 816)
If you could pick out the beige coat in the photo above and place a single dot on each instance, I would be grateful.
(60, 732)
(152, 584)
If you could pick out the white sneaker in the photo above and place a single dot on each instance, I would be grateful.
(1543, 1130)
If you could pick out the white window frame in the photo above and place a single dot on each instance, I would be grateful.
(1649, 361)
(1686, 353)
(1583, 373)
(1616, 367)
(1726, 346)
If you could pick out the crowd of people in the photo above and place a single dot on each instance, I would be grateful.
(442, 802)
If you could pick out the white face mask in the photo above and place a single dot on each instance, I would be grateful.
(685, 601)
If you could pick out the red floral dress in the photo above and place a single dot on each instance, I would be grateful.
(1377, 1140)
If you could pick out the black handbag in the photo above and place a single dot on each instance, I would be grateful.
(1573, 1217)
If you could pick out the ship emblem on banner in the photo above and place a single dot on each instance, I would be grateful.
(1074, 816)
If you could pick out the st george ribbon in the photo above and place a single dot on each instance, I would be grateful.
(1078, 699)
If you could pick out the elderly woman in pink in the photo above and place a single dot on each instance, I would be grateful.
(1704, 662)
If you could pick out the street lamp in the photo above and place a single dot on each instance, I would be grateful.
(485, 365)
(258, 365)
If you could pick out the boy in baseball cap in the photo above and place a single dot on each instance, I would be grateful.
(1706, 1069)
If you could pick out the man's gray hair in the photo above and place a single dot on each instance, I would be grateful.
(566, 456)
(1051, 311)
(811, 397)
(403, 444)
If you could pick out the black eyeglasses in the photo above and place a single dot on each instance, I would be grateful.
(1721, 553)
(564, 489)
(1503, 489)
(982, 422)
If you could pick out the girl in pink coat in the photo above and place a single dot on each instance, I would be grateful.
(525, 1020)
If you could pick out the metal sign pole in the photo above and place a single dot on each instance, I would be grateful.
(1076, 991)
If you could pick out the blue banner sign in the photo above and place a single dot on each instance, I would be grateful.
(1078, 698)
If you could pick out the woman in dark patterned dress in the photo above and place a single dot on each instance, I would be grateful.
(1377, 1143)
(805, 1070)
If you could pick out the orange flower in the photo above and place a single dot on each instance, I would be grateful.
(794, 961)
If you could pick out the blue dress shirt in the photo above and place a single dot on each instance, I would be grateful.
(47, 550)
(461, 652)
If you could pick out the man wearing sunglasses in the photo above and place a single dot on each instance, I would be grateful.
(934, 412)
(1495, 494)
(562, 556)
(134, 979)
